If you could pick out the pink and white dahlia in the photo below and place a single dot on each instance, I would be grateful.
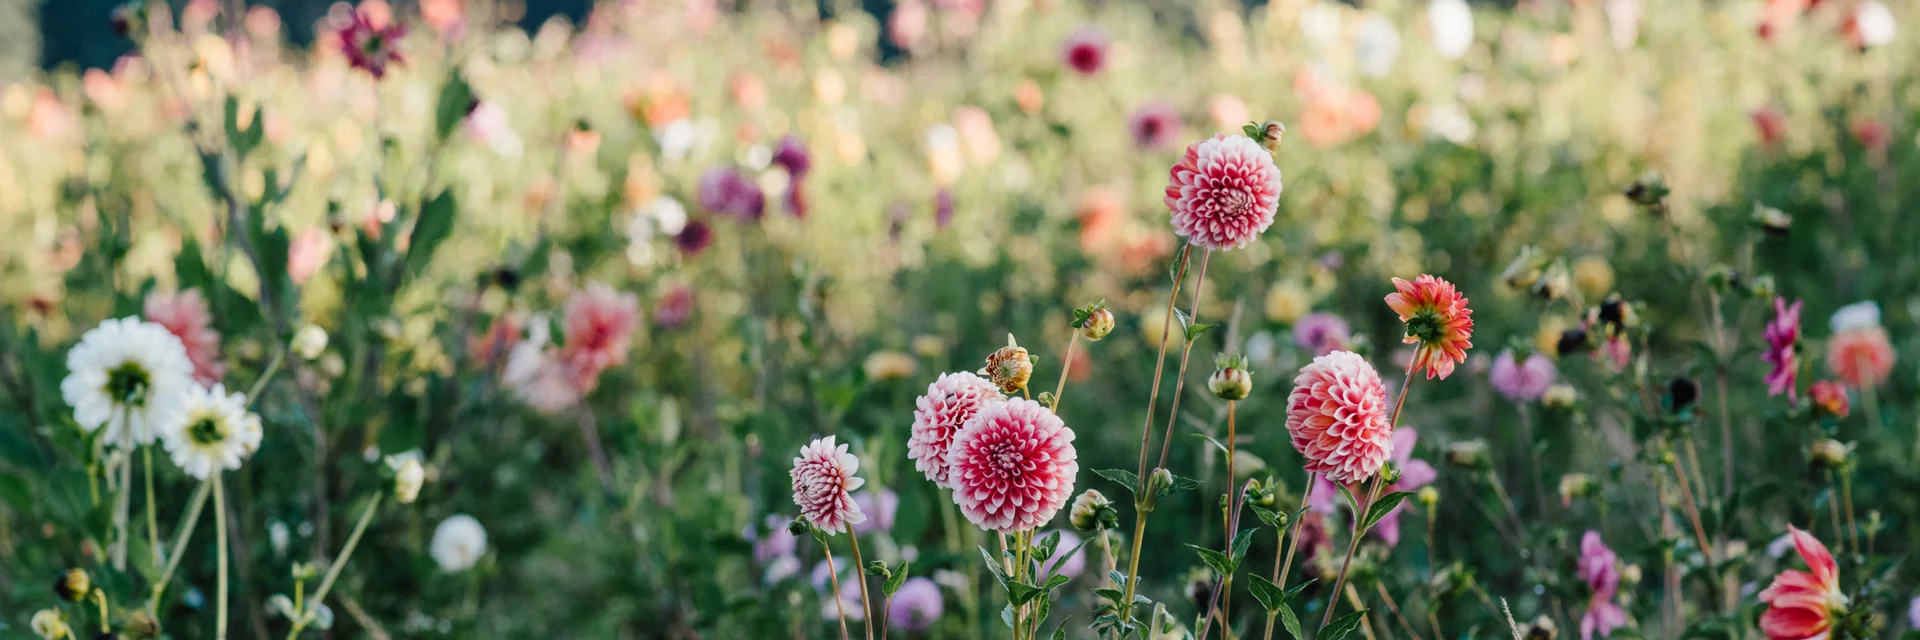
(600, 324)
(823, 485)
(185, 315)
(1012, 466)
(1223, 192)
(951, 400)
(1337, 415)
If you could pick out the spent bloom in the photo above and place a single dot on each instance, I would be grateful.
(216, 433)
(1803, 604)
(1223, 192)
(1012, 466)
(1598, 568)
(916, 605)
(408, 476)
(1322, 333)
(458, 543)
(1437, 320)
(1009, 367)
(1522, 381)
(822, 484)
(1783, 335)
(1086, 50)
(369, 47)
(950, 401)
(1337, 417)
(1861, 357)
(186, 316)
(130, 377)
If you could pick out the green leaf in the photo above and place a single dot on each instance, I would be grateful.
(1268, 516)
(1055, 582)
(1076, 549)
(1122, 477)
(1021, 593)
(243, 141)
(1384, 506)
(993, 566)
(1194, 331)
(455, 97)
(1006, 616)
(1044, 551)
(1183, 483)
(434, 225)
(1264, 591)
(1295, 591)
(1240, 544)
(1214, 559)
(1341, 626)
(894, 581)
(1290, 621)
(1353, 504)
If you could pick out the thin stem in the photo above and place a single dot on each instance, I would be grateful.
(1106, 549)
(839, 603)
(180, 539)
(1233, 527)
(1366, 621)
(1133, 564)
(1180, 378)
(1394, 608)
(1846, 493)
(1146, 440)
(122, 504)
(220, 540)
(590, 433)
(260, 384)
(1359, 531)
(859, 573)
(1282, 568)
(1726, 436)
(1533, 459)
(153, 520)
(333, 572)
(1066, 364)
(1693, 512)
(100, 598)
(1833, 508)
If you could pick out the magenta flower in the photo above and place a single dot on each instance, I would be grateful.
(1597, 568)
(726, 191)
(792, 155)
(916, 605)
(185, 315)
(1154, 125)
(942, 208)
(1782, 335)
(694, 238)
(1012, 466)
(1414, 474)
(950, 402)
(1322, 333)
(1223, 192)
(1522, 381)
(1086, 50)
(370, 48)
(822, 481)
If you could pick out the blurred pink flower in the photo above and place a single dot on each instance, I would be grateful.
(1871, 132)
(1224, 192)
(1063, 562)
(499, 340)
(694, 238)
(185, 315)
(949, 403)
(1861, 357)
(1414, 474)
(1322, 333)
(1154, 125)
(1802, 604)
(1770, 124)
(1086, 50)
(307, 253)
(674, 307)
(599, 331)
(822, 479)
(916, 605)
(1782, 334)
(1337, 417)
(1829, 398)
(1522, 381)
(1012, 466)
(775, 543)
(1597, 568)
(879, 514)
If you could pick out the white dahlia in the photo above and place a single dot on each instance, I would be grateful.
(129, 376)
(216, 434)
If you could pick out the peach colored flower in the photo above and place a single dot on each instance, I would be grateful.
(1012, 466)
(1829, 398)
(1337, 417)
(1224, 192)
(823, 484)
(951, 400)
(1803, 605)
(308, 253)
(185, 315)
(1437, 320)
(1861, 357)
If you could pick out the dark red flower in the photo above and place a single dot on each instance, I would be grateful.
(369, 47)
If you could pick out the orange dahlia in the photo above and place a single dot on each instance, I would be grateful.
(1437, 320)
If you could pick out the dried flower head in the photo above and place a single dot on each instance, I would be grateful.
(1437, 320)
(1224, 192)
(823, 484)
(1337, 417)
(1009, 367)
(1012, 466)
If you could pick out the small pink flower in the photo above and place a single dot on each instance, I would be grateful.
(371, 47)
(1597, 568)
(777, 542)
(1012, 466)
(950, 402)
(185, 315)
(599, 326)
(1770, 124)
(1861, 357)
(1086, 50)
(823, 482)
(1802, 605)
(1438, 321)
(1224, 192)
(1154, 125)
(1337, 416)
(1782, 335)
(1522, 381)
(308, 253)
(1322, 333)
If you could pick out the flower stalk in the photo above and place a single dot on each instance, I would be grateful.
(333, 572)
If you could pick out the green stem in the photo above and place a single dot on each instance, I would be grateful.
(1281, 569)
(273, 367)
(1373, 492)
(180, 539)
(860, 574)
(839, 603)
(1141, 511)
(153, 520)
(333, 572)
(220, 540)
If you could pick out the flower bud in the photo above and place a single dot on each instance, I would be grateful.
(1630, 574)
(1261, 493)
(798, 528)
(1389, 473)
(310, 342)
(1231, 381)
(1092, 510)
(1616, 314)
(1681, 393)
(1575, 485)
(50, 625)
(1829, 453)
(73, 585)
(1560, 396)
(1468, 454)
(1773, 221)
(407, 480)
(1722, 277)
(1268, 134)
(304, 571)
(1427, 496)
(1094, 322)
(1648, 191)
(1735, 549)
(142, 625)
(1160, 481)
(1009, 367)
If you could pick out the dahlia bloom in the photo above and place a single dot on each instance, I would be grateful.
(1086, 50)
(950, 402)
(822, 484)
(1522, 381)
(369, 47)
(1009, 367)
(1437, 320)
(1782, 334)
(537, 375)
(916, 605)
(599, 326)
(726, 191)
(1337, 416)
(129, 376)
(185, 315)
(1012, 466)
(1803, 605)
(217, 433)
(1861, 357)
(1829, 398)
(1597, 568)
(1859, 315)
(1322, 333)
(1154, 125)
(881, 511)
(1224, 192)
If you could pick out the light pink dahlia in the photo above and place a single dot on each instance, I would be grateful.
(185, 315)
(1223, 192)
(951, 400)
(823, 485)
(1337, 415)
(1012, 466)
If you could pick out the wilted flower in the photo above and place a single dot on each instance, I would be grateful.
(368, 47)
(1522, 381)
(1437, 320)
(1783, 335)
(1224, 192)
(130, 377)
(1771, 220)
(1012, 466)
(1829, 398)
(73, 585)
(1231, 380)
(217, 432)
(1322, 333)
(1086, 50)
(458, 543)
(1154, 126)
(1802, 604)
(949, 403)
(915, 606)
(185, 315)
(1009, 367)
(1092, 510)
(1337, 417)
(1862, 358)
(822, 484)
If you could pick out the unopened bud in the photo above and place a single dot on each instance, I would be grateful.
(1829, 453)
(1427, 496)
(1722, 277)
(1094, 322)
(1231, 381)
(407, 480)
(1773, 221)
(73, 585)
(1542, 628)
(1762, 287)
(310, 342)
(1555, 283)
(1648, 191)
(1630, 574)
(1092, 510)
(50, 625)
(142, 625)
(1268, 134)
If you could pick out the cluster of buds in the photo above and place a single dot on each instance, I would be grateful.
(1264, 493)
(1009, 367)
(1231, 379)
(1722, 278)
(1092, 510)
(1772, 221)
(1094, 321)
(1268, 134)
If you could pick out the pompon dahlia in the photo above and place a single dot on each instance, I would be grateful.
(823, 485)
(185, 315)
(1783, 335)
(1012, 466)
(1337, 416)
(1223, 192)
(1437, 320)
(369, 47)
(950, 401)
(1801, 604)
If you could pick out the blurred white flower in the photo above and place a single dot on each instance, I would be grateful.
(668, 215)
(781, 568)
(1451, 25)
(129, 376)
(1449, 122)
(310, 342)
(1623, 22)
(458, 543)
(1320, 23)
(1377, 46)
(217, 432)
(1859, 315)
(278, 536)
(1873, 24)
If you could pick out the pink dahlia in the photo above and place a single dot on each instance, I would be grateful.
(1437, 320)
(1086, 50)
(950, 402)
(600, 324)
(1597, 568)
(1782, 335)
(1522, 381)
(1223, 192)
(1012, 466)
(1860, 357)
(1803, 605)
(371, 47)
(1337, 415)
(1154, 125)
(185, 315)
(823, 483)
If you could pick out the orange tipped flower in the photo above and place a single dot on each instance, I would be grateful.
(1437, 320)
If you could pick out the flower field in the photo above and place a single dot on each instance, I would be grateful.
(707, 319)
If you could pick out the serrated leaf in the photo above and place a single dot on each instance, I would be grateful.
(1122, 477)
(1384, 506)
(1264, 591)
(898, 578)
(1341, 626)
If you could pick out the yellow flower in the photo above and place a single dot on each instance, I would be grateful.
(1287, 301)
(889, 365)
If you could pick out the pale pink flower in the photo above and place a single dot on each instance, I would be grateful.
(308, 253)
(674, 307)
(822, 484)
(1012, 466)
(1064, 563)
(1522, 381)
(950, 401)
(1223, 192)
(881, 511)
(1154, 125)
(916, 605)
(185, 315)
(1337, 416)
(1861, 357)
(599, 326)
(1322, 333)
